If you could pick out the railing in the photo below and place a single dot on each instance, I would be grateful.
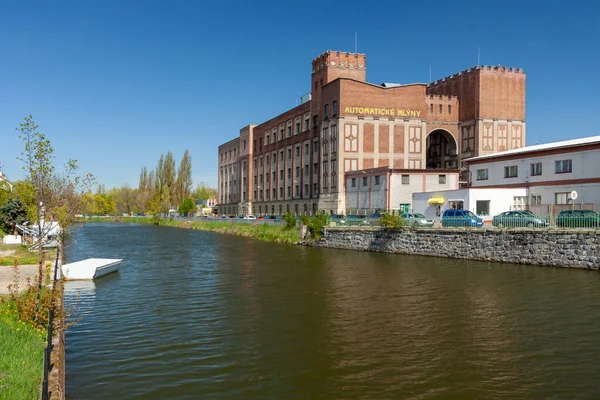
(576, 221)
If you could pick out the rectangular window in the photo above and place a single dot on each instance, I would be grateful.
(280, 174)
(536, 169)
(297, 151)
(333, 139)
(482, 174)
(520, 202)
(315, 121)
(563, 167)
(305, 189)
(297, 190)
(377, 180)
(442, 179)
(316, 168)
(536, 200)
(289, 173)
(315, 188)
(561, 198)
(297, 172)
(449, 109)
(316, 147)
(267, 160)
(335, 108)
(307, 124)
(405, 179)
(511, 171)
(431, 108)
(482, 207)
(353, 182)
(281, 156)
(261, 178)
(281, 192)
(268, 139)
(289, 191)
(261, 162)
(281, 134)
(306, 170)
(289, 153)
(365, 181)
(306, 148)
(289, 131)
(326, 111)
(297, 127)
(274, 176)
(440, 108)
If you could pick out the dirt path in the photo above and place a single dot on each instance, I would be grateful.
(7, 276)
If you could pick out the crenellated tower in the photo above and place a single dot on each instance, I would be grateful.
(492, 108)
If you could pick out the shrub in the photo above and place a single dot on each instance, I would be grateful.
(391, 221)
(305, 220)
(290, 220)
(316, 224)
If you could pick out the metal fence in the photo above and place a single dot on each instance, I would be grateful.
(585, 220)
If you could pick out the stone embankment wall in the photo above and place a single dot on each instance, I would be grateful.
(561, 248)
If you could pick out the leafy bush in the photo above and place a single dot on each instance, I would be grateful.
(305, 220)
(12, 213)
(290, 220)
(316, 224)
(391, 221)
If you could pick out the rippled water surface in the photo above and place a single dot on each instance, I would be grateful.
(195, 315)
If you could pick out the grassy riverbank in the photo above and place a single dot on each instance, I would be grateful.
(9, 253)
(22, 349)
(264, 232)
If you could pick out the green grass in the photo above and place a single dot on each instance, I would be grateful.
(21, 363)
(264, 232)
(22, 255)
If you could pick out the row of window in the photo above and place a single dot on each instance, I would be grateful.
(441, 108)
(405, 180)
(266, 195)
(512, 171)
(536, 199)
(268, 158)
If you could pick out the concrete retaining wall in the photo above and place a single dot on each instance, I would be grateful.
(561, 248)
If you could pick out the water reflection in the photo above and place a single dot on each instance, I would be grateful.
(198, 315)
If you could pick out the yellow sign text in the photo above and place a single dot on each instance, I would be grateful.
(382, 112)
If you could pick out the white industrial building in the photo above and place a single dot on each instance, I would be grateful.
(384, 188)
(540, 178)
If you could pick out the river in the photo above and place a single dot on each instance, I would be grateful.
(197, 315)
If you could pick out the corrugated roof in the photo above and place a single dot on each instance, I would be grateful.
(541, 147)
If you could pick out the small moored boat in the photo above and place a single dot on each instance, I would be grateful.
(91, 268)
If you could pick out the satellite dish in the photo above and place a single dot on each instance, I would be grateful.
(573, 195)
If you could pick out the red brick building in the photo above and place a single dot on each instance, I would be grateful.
(296, 161)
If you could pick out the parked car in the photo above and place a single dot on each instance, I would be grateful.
(249, 216)
(340, 220)
(519, 219)
(417, 220)
(357, 220)
(461, 218)
(376, 215)
(578, 219)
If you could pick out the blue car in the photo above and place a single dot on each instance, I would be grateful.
(461, 218)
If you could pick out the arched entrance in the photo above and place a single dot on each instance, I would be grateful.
(442, 150)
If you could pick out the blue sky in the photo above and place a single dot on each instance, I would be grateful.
(116, 83)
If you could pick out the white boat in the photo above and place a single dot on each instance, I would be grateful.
(91, 268)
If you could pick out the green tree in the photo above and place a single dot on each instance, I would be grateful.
(203, 192)
(183, 183)
(12, 213)
(187, 206)
(55, 197)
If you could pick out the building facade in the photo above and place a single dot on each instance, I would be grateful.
(385, 188)
(540, 178)
(296, 162)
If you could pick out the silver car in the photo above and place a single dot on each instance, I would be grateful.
(417, 220)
